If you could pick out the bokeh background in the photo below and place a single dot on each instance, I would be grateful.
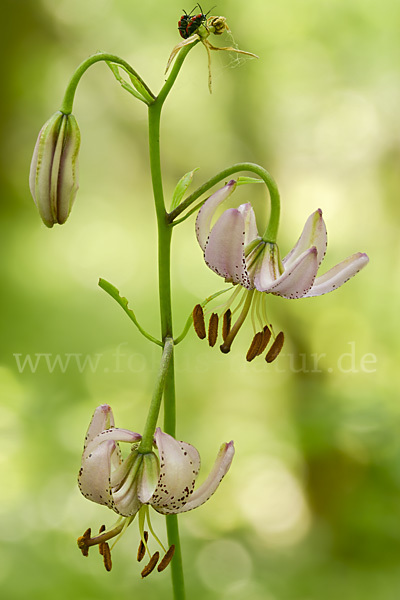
(311, 507)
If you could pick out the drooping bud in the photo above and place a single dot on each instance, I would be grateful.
(213, 329)
(53, 178)
(198, 321)
(275, 348)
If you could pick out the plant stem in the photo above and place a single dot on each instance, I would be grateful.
(164, 279)
(271, 231)
(69, 96)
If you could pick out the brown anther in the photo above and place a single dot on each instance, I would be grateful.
(101, 545)
(265, 340)
(151, 564)
(226, 325)
(83, 542)
(142, 548)
(106, 556)
(255, 345)
(167, 559)
(275, 348)
(198, 321)
(213, 329)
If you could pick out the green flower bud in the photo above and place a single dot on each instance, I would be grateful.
(53, 178)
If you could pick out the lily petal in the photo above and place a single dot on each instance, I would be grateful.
(125, 490)
(179, 467)
(224, 249)
(102, 419)
(267, 265)
(250, 225)
(94, 474)
(313, 234)
(206, 213)
(297, 279)
(338, 275)
(149, 477)
(206, 490)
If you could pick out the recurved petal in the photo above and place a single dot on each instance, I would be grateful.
(179, 467)
(102, 419)
(94, 474)
(314, 234)
(298, 278)
(338, 275)
(267, 268)
(206, 490)
(206, 213)
(148, 477)
(250, 225)
(224, 249)
(115, 434)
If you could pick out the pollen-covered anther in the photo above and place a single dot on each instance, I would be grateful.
(101, 545)
(150, 565)
(167, 559)
(266, 337)
(255, 345)
(106, 556)
(276, 347)
(226, 324)
(142, 548)
(83, 542)
(198, 321)
(213, 329)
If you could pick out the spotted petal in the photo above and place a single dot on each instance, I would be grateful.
(102, 419)
(207, 211)
(206, 490)
(338, 275)
(298, 278)
(313, 234)
(224, 249)
(179, 467)
(250, 225)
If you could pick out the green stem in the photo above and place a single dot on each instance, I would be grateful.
(271, 231)
(164, 278)
(69, 96)
(146, 444)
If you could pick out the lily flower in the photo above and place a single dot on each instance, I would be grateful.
(53, 178)
(234, 250)
(130, 486)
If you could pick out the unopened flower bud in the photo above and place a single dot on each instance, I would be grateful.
(53, 178)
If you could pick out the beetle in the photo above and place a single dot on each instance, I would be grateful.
(189, 23)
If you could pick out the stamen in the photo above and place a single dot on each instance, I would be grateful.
(106, 556)
(142, 546)
(101, 545)
(83, 542)
(213, 329)
(255, 345)
(275, 348)
(265, 340)
(226, 346)
(198, 321)
(167, 559)
(151, 564)
(226, 325)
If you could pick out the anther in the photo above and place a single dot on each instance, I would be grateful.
(213, 329)
(101, 545)
(198, 321)
(167, 559)
(142, 548)
(275, 348)
(151, 564)
(83, 542)
(106, 556)
(255, 345)
(265, 340)
(226, 325)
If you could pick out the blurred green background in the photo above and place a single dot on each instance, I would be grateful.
(310, 509)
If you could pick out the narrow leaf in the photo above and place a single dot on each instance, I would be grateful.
(242, 180)
(126, 86)
(181, 188)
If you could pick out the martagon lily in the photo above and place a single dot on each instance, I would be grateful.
(129, 486)
(234, 250)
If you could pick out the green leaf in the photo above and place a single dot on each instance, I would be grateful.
(181, 188)
(140, 95)
(242, 180)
